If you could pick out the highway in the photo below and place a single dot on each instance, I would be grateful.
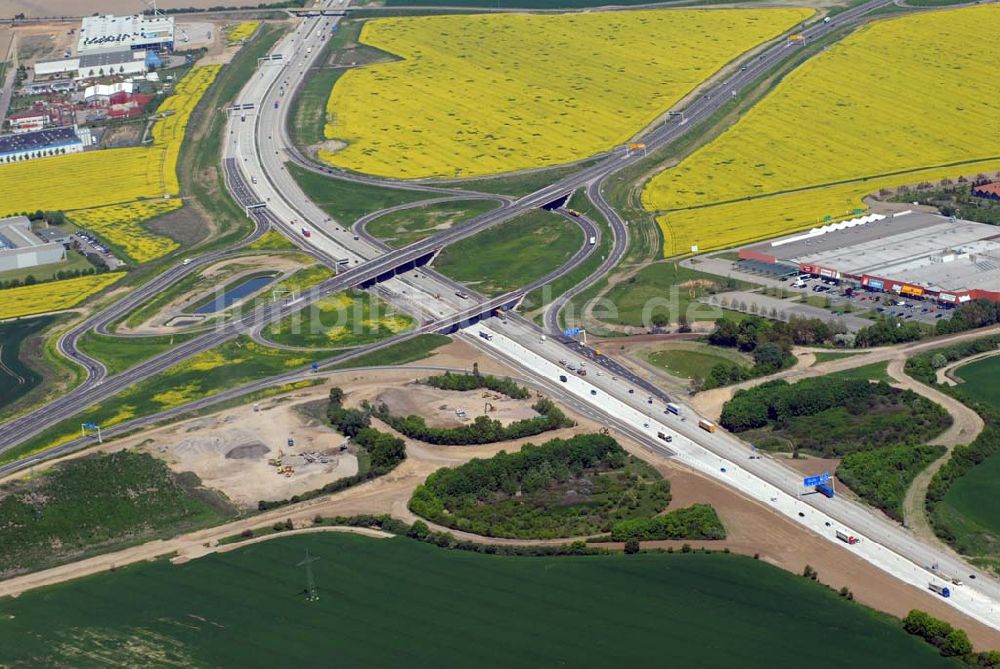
(255, 154)
(258, 149)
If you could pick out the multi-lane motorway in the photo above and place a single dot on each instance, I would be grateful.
(255, 154)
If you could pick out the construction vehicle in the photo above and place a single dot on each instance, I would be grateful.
(942, 590)
(706, 425)
(847, 538)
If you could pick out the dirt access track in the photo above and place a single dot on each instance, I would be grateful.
(753, 527)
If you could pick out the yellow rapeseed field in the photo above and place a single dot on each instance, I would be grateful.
(241, 31)
(52, 296)
(119, 224)
(477, 95)
(112, 176)
(878, 110)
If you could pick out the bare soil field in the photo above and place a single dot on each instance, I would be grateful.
(449, 408)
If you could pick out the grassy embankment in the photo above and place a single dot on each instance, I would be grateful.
(689, 360)
(512, 255)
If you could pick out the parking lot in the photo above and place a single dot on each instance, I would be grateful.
(861, 300)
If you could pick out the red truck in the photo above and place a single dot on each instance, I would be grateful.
(306, 233)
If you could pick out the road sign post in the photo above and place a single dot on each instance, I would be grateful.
(91, 426)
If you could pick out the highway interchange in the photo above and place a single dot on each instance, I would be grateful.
(255, 153)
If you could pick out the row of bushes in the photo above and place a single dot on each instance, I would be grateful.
(483, 430)
(923, 366)
(698, 521)
(475, 380)
(749, 333)
(768, 358)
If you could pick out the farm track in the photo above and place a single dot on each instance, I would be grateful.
(966, 426)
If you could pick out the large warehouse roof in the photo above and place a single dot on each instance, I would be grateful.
(40, 139)
(928, 250)
(124, 32)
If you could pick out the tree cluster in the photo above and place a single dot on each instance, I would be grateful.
(349, 422)
(888, 330)
(698, 521)
(949, 641)
(483, 430)
(769, 342)
(750, 332)
(777, 401)
(475, 380)
(565, 487)
(882, 475)
(968, 316)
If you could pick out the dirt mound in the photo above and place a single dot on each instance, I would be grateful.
(252, 451)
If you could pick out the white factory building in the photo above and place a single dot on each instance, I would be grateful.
(20, 248)
(43, 143)
(95, 64)
(108, 31)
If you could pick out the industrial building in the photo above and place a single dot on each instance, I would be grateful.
(155, 33)
(41, 144)
(20, 248)
(95, 64)
(916, 254)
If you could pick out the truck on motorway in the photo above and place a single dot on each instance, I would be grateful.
(306, 233)
(706, 425)
(664, 436)
(825, 490)
(847, 538)
(673, 408)
(942, 590)
(486, 335)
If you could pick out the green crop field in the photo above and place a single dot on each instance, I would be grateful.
(692, 359)
(982, 380)
(16, 378)
(511, 255)
(398, 602)
(400, 228)
(974, 494)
